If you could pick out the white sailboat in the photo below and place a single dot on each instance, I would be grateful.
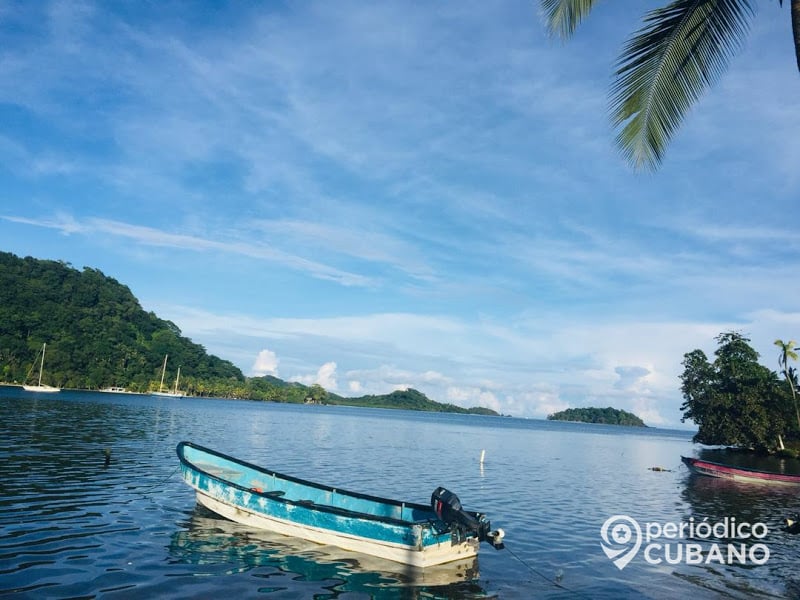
(173, 394)
(39, 387)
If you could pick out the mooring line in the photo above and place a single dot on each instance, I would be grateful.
(549, 580)
(159, 483)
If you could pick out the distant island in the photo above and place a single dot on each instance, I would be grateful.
(607, 416)
(99, 337)
(409, 399)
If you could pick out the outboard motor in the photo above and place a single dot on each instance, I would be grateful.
(447, 507)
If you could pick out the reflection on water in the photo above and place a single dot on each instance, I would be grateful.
(74, 525)
(751, 502)
(715, 499)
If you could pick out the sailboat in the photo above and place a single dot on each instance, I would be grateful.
(173, 394)
(39, 387)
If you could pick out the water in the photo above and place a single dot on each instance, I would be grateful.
(72, 526)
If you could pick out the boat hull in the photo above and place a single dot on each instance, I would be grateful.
(401, 553)
(402, 532)
(40, 387)
(722, 471)
(44, 389)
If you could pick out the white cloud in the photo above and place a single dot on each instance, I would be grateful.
(325, 376)
(149, 236)
(535, 403)
(530, 366)
(630, 377)
(648, 411)
(266, 364)
(473, 396)
(361, 242)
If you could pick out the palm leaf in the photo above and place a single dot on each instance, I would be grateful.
(681, 50)
(788, 350)
(564, 16)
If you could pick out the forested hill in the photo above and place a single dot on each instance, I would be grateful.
(96, 331)
(409, 399)
(98, 336)
(608, 416)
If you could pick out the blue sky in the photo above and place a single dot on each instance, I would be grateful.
(374, 196)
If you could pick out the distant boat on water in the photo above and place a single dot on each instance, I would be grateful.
(39, 387)
(116, 390)
(734, 473)
(175, 393)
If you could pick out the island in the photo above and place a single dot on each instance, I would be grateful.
(606, 416)
(408, 399)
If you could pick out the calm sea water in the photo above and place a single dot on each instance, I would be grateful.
(71, 526)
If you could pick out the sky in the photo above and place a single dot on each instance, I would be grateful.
(376, 196)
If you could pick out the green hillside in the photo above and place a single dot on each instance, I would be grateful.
(409, 399)
(96, 331)
(98, 336)
(608, 416)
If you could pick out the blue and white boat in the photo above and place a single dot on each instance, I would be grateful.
(404, 532)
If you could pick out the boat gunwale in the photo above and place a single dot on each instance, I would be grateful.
(304, 503)
(768, 475)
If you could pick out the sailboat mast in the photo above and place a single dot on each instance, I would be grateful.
(41, 364)
(163, 370)
(177, 378)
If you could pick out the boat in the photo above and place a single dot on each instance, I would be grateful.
(714, 469)
(39, 387)
(115, 390)
(412, 534)
(173, 394)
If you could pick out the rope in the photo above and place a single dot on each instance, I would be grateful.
(159, 483)
(553, 582)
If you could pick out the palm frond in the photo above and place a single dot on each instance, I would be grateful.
(795, 14)
(564, 16)
(682, 49)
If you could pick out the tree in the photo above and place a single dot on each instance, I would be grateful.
(317, 393)
(788, 351)
(735, 400)
(681, 50)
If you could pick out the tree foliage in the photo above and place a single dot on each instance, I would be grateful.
(734, 400)
(608, 416)
(680, 51)
(97, 333)
(789, 352)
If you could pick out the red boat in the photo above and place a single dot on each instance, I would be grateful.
(712, 469)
